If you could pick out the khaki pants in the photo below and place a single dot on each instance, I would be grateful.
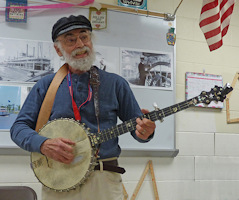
(101, 185)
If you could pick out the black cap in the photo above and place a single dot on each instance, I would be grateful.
(66, 24)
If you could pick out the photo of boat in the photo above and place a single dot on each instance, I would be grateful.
(3, 111)
(10, 105)
(25, 61)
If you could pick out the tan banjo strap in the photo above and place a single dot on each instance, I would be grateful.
(47, 104)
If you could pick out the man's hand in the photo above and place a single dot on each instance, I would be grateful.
(59, 149)
(144, 127)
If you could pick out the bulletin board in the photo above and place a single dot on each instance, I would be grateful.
(198, 82)
(144, 34)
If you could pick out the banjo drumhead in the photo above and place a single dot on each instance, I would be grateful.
(59, 176)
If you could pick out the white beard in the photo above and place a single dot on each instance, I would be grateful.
(82, 64)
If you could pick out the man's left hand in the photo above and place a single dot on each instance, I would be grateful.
(144, 127)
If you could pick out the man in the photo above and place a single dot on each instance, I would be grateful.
(72, 40)
(142, 72)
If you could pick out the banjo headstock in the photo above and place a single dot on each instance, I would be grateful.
(215, 94)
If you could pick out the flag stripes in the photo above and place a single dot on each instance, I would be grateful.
(214, 21)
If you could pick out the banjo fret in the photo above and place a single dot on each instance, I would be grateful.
(122, 127)
(128, 125)
(118, 132)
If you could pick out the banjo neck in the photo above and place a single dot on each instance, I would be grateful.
(215, 94)
(130, 125)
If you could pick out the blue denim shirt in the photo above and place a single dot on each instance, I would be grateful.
(115, 100)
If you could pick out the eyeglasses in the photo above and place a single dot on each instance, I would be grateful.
(70, 40)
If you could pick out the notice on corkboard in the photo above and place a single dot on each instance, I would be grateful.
(198, 82)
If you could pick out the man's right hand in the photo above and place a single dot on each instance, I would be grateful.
(59, 149)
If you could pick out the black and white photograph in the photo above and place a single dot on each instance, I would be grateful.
(147, 68)
(107, 58)
(24, 60)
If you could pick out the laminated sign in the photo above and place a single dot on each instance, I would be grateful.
(15, 11)
(98, 18)
(141, 4)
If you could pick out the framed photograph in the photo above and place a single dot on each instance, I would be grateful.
(147, 68)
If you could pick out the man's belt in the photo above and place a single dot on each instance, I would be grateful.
(111, 166)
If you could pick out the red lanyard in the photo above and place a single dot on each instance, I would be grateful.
(75, 109)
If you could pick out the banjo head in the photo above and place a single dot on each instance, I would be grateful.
(59, 176)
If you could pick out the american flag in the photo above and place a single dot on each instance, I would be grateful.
(215, 20)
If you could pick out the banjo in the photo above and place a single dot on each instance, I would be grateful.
(62, 177)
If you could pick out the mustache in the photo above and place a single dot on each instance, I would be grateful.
(80, 51)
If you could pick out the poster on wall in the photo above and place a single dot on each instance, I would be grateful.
(147, 68)
(26, 61)
(198, 82)
(98, 18)
(107, 58)
(11, 101)
(15, 14)
(140, 4)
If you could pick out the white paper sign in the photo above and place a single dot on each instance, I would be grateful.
(198, 82)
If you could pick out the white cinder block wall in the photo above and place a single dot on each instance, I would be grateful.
(207, 166)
